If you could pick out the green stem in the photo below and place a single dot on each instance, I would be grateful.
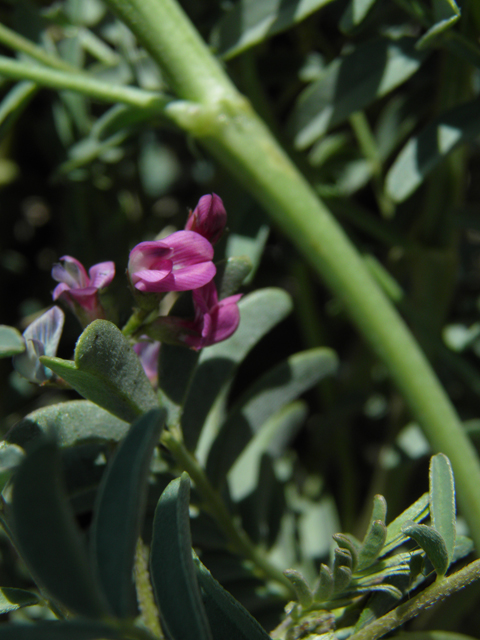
(63, 80)
(438, 591)
(214, 504)
(233, 134)
(146, 600)
(17, 42)
(135, 322)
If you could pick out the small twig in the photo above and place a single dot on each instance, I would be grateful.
(437, 592)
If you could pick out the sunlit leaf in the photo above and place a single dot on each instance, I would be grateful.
(251, 22)
(107, 371)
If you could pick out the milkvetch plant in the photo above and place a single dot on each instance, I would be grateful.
(171, 479)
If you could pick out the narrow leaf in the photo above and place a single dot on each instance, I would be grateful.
(355, 13)
(47, 536)
(74, 422)
(11, 341)
(227, 617)
(302, 590)
(14, 103)
(432, 543)
(271, 439)
(342, 577)
(13, 599)
(172, 569)
(442, 500)
(423, 152)
(417, 512)
(446, 14)
(260, 311)
(275, 389)
(107, 371)
(372, 544)
(324, 587)
(119, 511)
(348, 542)
(251, 22)
(231, 274)
(350, 83)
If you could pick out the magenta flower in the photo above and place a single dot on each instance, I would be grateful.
(214, 321)
(179, 262)
(79, 290)
(208, 218)
(147, 352)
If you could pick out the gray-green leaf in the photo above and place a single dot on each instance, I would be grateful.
(107, 371)
(119, 511)
(173, 572)
(11, 341)
(442, 500)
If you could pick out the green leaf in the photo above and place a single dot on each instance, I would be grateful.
(430, 540)
(423, 152)
(14, 104)
(302, 590)
(231, 274)
(273, 390)
(47, 536)
(176, 368)
(355, 13)
(417, 512)
(350, 83)
(342, 569)
(272, 438)
(13, 599)
(227, 617)
(446, 14)
(173, 572)
(11, 341)
(107, 371)
(350, 544)
(323, 589)
(121, 117)
(119, 512)
(73, 422)
(11, 456)
(260, 311)
(72, 630)
(251, 22)
(376, 534)
(442, 500)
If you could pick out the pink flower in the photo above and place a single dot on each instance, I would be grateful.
(208, 218)
(79, 290)
(147, 352)
(214, 321)
(179, 262)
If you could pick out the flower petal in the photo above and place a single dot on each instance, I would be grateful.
(209, 218)
(190, 277)
(72, 272)
(188, 248)
(147, 255)
(101, 274)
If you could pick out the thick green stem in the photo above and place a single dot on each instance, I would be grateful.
(235, 136)
(81, 82)
(440, 590)
(213, 503)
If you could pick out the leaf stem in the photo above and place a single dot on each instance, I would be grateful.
(239, 540)
(81, 82)
(17, 42)
(439, 590)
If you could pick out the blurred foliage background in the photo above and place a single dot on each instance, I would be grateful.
(377, 102)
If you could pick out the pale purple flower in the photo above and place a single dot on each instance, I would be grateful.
(79, 290)
(208, 218)
(147, 352)
(179, 262)
(41, 339)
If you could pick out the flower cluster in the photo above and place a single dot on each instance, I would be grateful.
(183, 261)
